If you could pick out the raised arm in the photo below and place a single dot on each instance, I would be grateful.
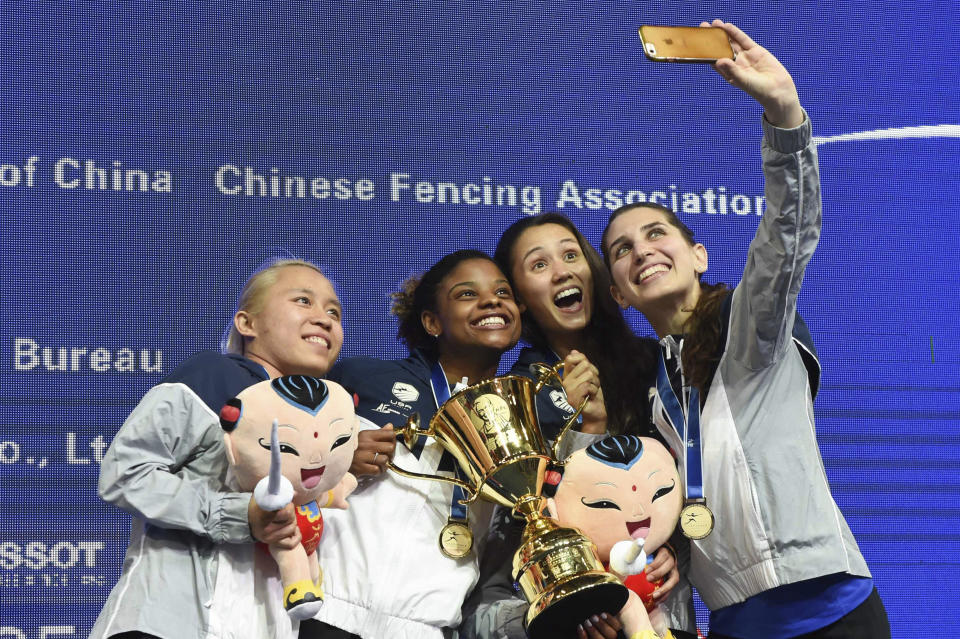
(760, 75)
(764, 303)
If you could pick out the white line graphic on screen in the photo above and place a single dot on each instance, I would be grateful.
(929, 131)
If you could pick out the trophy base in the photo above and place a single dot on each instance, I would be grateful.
(558, 612)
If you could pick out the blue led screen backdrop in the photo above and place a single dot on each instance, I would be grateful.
(153, 155)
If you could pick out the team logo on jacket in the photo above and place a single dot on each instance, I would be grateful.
(405, 392)
(559, 399)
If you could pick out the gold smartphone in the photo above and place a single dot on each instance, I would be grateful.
(685, 44)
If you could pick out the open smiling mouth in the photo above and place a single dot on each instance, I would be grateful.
(650, 271)
(639, 529)
(568, 297)
(491, 321)
(310, 477)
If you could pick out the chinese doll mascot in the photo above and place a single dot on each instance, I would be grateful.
(292, 439)
(625, 494)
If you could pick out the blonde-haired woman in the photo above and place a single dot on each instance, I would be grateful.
(190, 568)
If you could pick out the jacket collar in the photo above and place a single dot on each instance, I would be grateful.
(253, 367)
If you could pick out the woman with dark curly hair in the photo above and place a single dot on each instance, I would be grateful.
(401, 560)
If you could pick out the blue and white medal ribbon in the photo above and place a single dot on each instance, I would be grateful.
(696, 520)
(456, 538)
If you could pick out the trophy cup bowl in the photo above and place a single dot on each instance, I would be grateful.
(491, 430)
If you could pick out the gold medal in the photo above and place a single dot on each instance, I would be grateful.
(456, 539)
(696, 520)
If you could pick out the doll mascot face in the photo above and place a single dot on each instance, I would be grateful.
(623, 493)
(620, 488)
(317, 436)
(317, 431)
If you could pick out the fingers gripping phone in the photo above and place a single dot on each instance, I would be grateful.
(685, 44)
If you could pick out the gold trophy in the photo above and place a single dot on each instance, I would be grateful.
(491, 430)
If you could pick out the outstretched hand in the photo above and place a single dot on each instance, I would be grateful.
(758, 73)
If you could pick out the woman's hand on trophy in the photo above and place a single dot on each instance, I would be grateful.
(375, 447)
(663, 566)
(581, 379)
(602, 626)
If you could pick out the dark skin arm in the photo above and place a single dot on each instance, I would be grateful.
(374, 449)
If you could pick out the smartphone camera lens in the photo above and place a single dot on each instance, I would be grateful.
(652, 50)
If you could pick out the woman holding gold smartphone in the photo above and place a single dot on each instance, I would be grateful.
(771, 553)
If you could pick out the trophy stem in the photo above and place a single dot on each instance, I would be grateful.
(529, 507)
(537, 524)
(557, 564)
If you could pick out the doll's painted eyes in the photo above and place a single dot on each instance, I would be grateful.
(284, 447)
(341, 440)
(600, 503)
(666, 490)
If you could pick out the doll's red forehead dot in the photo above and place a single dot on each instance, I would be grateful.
(316, 435)
(634, 488)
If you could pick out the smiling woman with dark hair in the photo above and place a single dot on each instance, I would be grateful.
(401, 560)
(735, 389)
(568, 315)
(562, 285)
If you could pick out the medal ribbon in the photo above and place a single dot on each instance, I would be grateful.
(441, 393)
(687, 426)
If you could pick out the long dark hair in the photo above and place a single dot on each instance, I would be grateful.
(703, 330)
(419, 294)
(627, 363)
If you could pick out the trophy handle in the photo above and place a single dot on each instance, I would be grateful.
(411, 433)
(467, 488)
(545, 374)
(566, 428)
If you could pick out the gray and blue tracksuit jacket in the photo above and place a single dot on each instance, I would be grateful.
(764, 479)
(191, 568)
